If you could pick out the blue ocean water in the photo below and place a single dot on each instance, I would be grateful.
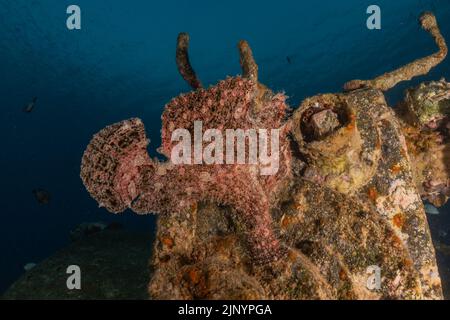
(121, 64)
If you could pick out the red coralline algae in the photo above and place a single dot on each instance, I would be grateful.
(119, 174)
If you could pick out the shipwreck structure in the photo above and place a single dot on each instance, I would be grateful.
(347, 196)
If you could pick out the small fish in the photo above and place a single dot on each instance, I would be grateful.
(86, 229)
(114, 226)
(288, 59)
(29, 266)
(430, 209)
(42, 196)
(30, 106)
(442, 233)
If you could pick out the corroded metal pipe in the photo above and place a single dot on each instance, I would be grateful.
(248, 64)
(183, 63)
(416, 68)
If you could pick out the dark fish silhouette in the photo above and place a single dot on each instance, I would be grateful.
(288, 59)
(42, 196)
(114, 226)
(30, 106)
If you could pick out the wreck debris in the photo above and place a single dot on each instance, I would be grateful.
(324, 122)
(347, 157)
(417, 68)
(428, 103)
(429, 158)
(183, 63)
(425, 115)
(332, 239)
(345, 197)
(249, 66)
(366, 157)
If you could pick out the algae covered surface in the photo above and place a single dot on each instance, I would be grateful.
(114, 265)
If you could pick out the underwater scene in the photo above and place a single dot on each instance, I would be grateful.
(225, 150)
